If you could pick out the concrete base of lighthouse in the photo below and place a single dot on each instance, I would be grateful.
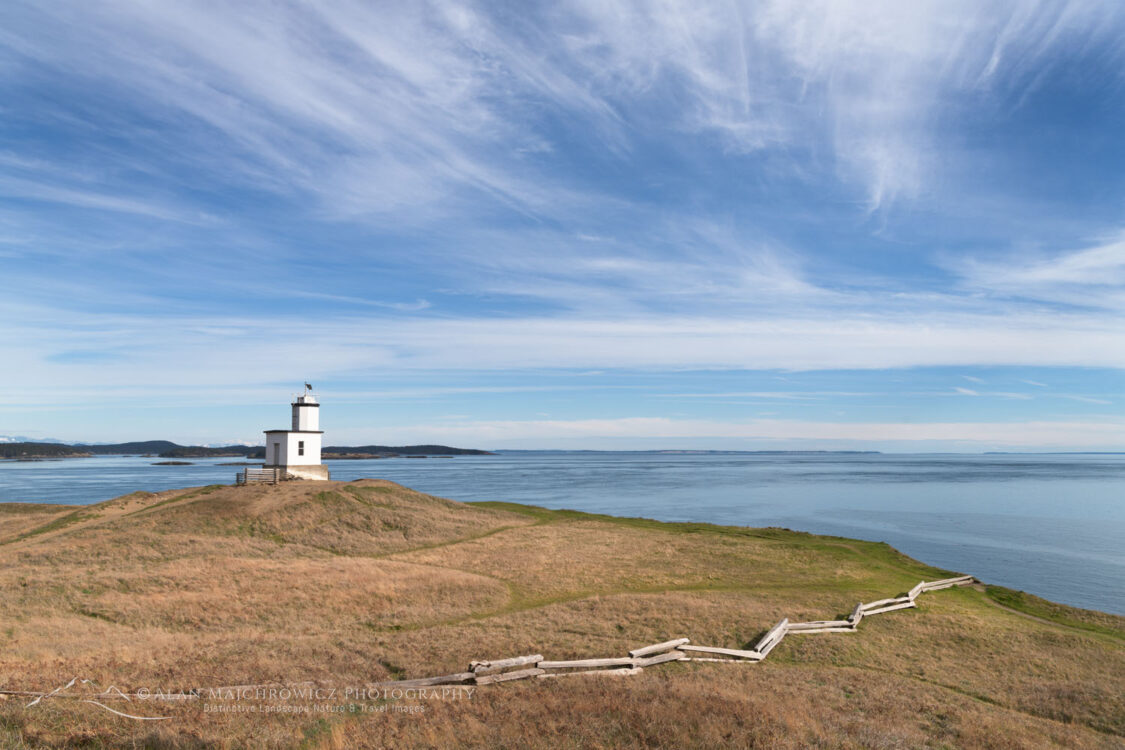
(312, 471)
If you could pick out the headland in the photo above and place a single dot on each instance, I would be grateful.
(339, 585)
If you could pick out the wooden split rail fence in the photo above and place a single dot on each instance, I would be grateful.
(676, 650)
(260, 476)
(679, 649)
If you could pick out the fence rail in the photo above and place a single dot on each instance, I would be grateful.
(260, 476)
(487, 672)
(675, 650)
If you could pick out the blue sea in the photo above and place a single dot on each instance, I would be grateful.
(1052, 525)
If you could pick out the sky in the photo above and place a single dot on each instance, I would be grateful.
(579, 224)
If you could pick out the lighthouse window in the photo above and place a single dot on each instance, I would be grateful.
(300, 447)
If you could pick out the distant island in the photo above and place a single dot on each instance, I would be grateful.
(29, 451)
(32, 451)
(40, 451)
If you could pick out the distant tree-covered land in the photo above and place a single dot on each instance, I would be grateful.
(40, 450)
(168, 449)
(139, 447)
(201, 451)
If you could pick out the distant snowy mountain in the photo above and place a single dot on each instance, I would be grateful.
(25, 439)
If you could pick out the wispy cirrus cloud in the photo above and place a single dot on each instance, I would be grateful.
(31, 190)
(959, 391)
(255, 349)
(1090, 277)
(1025, 435)
(339, 99)
(876, 74)
(1086, 399)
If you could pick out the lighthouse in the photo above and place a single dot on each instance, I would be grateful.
(297, 451)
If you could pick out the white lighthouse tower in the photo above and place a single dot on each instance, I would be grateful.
(297, 451)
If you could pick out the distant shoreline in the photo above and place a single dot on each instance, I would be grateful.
(29, 451)
(695, 452)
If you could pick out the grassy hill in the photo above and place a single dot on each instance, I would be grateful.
(342, 584)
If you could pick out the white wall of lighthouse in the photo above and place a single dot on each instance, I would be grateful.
(306, 413)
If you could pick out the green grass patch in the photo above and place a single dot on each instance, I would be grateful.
(362, 495)
(1083, 619)
(207, 490)
(27, 509)
(316, 734)
(375, 490)
(55, 525)
(877, 552)
(256, 529)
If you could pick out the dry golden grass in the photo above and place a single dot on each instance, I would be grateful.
(343, 584)
(19, 518)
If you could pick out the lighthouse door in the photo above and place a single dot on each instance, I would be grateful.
(277, 454)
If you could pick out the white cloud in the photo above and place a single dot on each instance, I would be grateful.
(24, 189)
(1086, 399)
(783, 395)
(182, 352)
(871, 78)
(957, 391)
(385, 109)
(1090, 277)
(416, 306)
(1022, 434)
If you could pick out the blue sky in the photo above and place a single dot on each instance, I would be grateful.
(893, 226)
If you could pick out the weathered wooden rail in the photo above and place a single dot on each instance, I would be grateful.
(676, 650)
(488, 672)
(263, 475)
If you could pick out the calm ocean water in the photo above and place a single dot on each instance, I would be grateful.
(1052, 525)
